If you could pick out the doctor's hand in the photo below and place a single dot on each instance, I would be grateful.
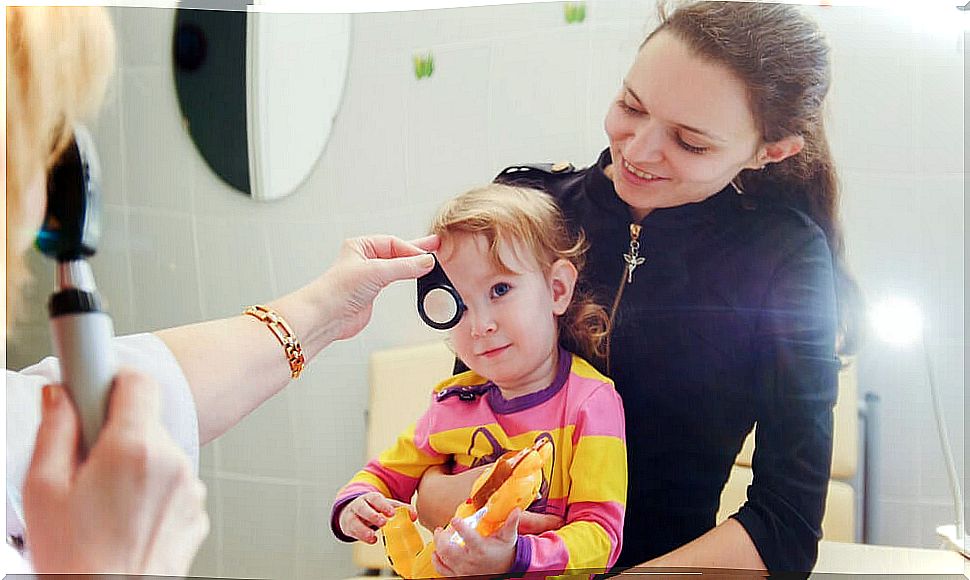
(133, 506)
(366, 513)
(345, 293)
(492, 554)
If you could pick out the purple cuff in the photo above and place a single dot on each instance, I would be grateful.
(338, 507)
(523, 557)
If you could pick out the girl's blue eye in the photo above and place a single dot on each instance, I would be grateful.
(500, 289)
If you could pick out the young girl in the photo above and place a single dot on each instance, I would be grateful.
(509, 255)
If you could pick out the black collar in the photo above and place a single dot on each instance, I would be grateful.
(601, 191)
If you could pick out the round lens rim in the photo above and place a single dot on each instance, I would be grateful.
(459, 307)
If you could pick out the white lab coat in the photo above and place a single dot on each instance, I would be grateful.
(143, 352)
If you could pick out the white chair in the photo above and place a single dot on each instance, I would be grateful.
(401, 380)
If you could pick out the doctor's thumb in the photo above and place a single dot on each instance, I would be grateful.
(56, 450)
(406, 268)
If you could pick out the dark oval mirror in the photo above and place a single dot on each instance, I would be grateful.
(258, 92)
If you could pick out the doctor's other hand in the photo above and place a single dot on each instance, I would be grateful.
(363, 515)
(133, 506)
(363, 268)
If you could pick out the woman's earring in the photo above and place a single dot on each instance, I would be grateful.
(736, 184)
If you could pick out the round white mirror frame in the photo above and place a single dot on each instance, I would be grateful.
(297, 67)
(277, 118)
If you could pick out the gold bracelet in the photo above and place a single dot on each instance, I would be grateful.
(283, 333)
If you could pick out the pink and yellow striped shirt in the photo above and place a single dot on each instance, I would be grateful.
(470, 423)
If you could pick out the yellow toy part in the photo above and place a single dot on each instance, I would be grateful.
(511, 482)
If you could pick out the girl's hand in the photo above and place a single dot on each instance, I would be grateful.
(493, 554)
(365, 514)
(134, 506)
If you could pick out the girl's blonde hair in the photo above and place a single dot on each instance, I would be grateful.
(516, 217)
(58, 64)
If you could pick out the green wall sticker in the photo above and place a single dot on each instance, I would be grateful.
(575, 12)
(423, 65)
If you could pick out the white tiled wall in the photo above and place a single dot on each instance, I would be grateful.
(898, 134)
(511, 84)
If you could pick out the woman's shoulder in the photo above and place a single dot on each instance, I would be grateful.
(781, 227)
(784, 206)
(553, 178)
(536, 171)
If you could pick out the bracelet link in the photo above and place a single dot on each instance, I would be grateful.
(283, 333)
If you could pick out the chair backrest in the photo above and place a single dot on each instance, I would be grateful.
(838, 523)
(401, 380)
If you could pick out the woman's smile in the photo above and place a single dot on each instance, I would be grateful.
(638, 176)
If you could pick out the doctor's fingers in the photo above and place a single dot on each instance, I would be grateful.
(134, 441)
(141, 472)
(134, 401)
(388, 247)
(389, 259)
(144, 459)
(427, 243)
(182, 526)
(55, 458)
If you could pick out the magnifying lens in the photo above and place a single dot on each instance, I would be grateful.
(439, 304)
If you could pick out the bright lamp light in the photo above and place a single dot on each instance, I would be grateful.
(897, 321)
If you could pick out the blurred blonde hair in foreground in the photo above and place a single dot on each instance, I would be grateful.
(59, 61)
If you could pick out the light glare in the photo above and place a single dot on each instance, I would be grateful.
(897, 321)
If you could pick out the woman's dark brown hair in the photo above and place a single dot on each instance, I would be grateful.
(782, 59)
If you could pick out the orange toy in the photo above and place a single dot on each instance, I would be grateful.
(512, 481)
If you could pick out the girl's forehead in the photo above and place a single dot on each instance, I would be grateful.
(514, 256)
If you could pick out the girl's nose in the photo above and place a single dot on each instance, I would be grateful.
(482, 322)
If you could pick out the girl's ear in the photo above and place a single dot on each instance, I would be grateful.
(562, 281)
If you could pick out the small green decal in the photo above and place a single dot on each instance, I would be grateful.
(575, 12)
(423, 65)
